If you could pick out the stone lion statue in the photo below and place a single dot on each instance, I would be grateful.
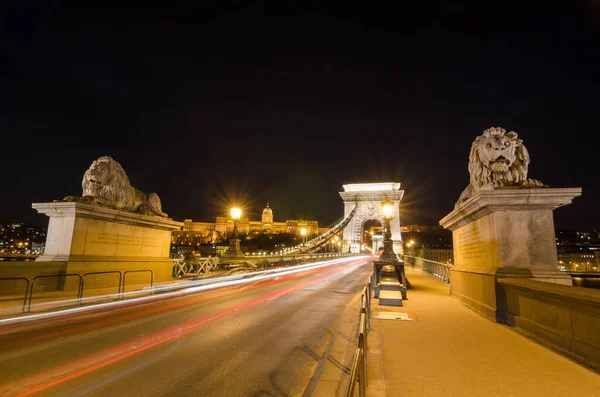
(498, 159)
(106, 183)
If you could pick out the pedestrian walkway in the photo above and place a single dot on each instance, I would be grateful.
(435, 346)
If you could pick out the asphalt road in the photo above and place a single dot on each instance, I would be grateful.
(262, 338)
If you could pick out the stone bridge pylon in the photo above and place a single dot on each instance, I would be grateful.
(368, 197)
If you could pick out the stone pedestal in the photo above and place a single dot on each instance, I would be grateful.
(234, 250)
(92, 238)
(504, 232)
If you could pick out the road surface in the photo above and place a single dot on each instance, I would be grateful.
(262, 338)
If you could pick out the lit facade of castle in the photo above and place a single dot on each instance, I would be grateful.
(206, 232)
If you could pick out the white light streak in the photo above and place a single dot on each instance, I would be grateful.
(177, 290)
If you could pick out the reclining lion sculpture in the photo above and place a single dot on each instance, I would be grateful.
(106, 183)
(498, 159)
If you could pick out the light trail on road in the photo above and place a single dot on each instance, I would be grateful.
(177, 290)
(197, 308)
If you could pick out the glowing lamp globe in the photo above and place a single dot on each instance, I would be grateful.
(388, 207)
(236, 213)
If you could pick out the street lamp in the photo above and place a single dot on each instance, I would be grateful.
(388, 257)
(388, 254)
(234, 250)
(303, 233)
(411, 247)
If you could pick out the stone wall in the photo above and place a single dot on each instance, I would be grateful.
(564, 317)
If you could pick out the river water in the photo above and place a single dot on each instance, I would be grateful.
(587, 282)
(16, 260)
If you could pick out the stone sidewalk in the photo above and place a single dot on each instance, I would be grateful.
(446, 349)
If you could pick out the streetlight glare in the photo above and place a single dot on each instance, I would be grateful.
(388, 207)
(236, 213)
(303, 231)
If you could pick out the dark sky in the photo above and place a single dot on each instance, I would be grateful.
(284, 102)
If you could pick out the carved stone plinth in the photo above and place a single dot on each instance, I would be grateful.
(504, 232)
(234, 250)
(94, 238)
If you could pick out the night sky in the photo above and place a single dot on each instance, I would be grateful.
(284, 102)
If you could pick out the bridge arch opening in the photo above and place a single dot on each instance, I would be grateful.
(372, 235)
(365, 200)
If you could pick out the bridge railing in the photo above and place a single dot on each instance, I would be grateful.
(438, 270)
(27, 282)
(270, 261)
(358, 372)
(58, 297)
(194, 266)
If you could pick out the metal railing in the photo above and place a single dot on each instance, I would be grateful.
(440, 271)
(56, 275)
(94, 273)
(26, 287)
(137, 271)
(121, 285)
(272, 261)
(358, 372)
(194, 267)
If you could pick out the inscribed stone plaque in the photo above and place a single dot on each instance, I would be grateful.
(473, 243)
(114, 239)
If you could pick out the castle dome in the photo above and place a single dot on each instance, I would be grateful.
(267, 215)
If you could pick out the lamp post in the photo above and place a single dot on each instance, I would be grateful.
(411, 248)
(388, 257)
(388, 254)
(234, 250)
(303, 233)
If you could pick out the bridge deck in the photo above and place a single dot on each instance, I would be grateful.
(449, 350)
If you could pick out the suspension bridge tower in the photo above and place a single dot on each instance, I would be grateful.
(367, 198)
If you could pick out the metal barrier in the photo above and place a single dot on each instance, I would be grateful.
(30, 284)
(183, 268)
(137, 271)
(107, 272)
(54, 275)
(272, 261)
(358, 372)
(440, 271)
(26, 287)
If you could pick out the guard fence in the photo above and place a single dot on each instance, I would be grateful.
(196, 266)
(439, 270)
(81, 278)
(358, 372)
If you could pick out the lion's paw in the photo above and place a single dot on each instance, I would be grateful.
(532, 183)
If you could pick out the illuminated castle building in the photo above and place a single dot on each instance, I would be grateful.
(194, 233)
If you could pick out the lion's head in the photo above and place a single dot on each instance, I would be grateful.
(498, 158)
(106, 178)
